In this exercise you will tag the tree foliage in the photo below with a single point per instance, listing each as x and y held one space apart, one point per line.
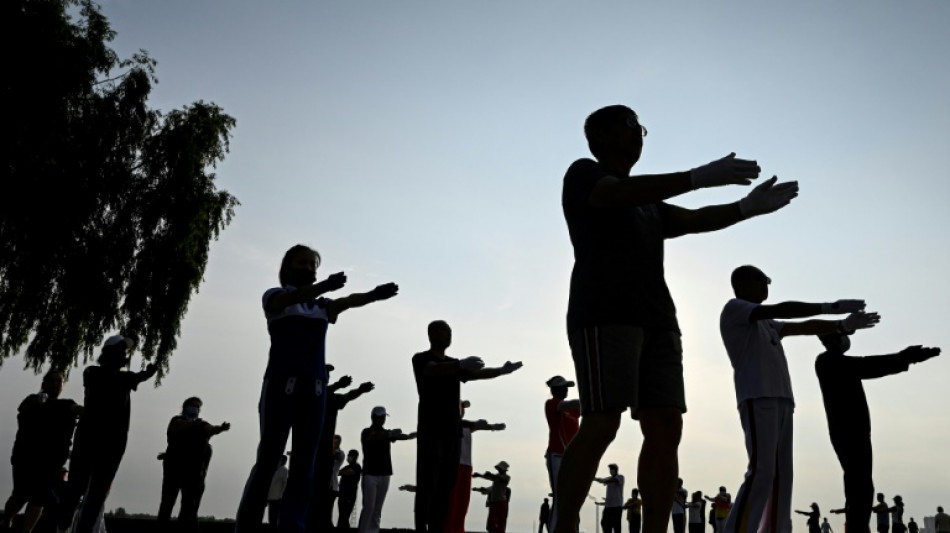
108 206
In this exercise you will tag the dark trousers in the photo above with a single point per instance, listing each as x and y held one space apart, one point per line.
612 519
679 523
189 481
634 523
854 454
437 463
284 405
697 527
345 507
90 478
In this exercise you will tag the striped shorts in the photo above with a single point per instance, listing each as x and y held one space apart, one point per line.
621 367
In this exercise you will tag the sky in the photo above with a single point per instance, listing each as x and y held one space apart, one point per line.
425 143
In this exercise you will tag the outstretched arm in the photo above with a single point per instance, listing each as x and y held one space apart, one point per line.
381 292
307 293
787 310
358 391
611 191
853 322
489 373
482 424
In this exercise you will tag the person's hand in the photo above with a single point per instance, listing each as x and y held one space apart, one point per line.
768 197
366 387
412 435
476 474
225 426
860 320
345 381
510 367
333 282
842 307
383 292
472 363
917 354
151 369
498 427
725 171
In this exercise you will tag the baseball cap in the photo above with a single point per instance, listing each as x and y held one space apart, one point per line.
559 381
379 410
116 340
502 466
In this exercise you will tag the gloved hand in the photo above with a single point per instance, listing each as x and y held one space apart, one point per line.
917 354
725 171
366 387
510 367
861 320
472 363
383 292
768 197
841 307
333 282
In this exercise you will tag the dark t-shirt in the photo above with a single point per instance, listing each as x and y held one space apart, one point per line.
439 397
618 276
846 405
377 458
44 431
107 407
324 461
350 481
189 443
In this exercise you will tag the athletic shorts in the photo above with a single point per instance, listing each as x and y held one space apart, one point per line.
628 367
35 485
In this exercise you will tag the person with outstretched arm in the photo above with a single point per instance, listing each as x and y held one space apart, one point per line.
621 320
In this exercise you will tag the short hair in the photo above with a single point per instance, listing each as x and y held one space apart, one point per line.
602 121
353 452
193 399
436 324
939 509
54 373
745 273
289 256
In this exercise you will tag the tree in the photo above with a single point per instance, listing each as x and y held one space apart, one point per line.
109 206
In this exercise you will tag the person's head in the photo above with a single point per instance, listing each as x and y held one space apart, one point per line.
440 334
635 493
899 501
53 383
613 469
378 415
559 386
880 497
115 352
191 407
337 440
814 507
679 482
502 467
352 456
939 509
835 343
614 132
698 496
826 518
722 489
545 500
299 266
750 284
463 405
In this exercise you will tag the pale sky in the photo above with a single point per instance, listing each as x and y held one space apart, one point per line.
425 143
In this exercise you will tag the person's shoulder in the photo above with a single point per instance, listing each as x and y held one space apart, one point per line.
584 168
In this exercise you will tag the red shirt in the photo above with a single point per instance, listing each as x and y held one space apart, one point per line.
562 425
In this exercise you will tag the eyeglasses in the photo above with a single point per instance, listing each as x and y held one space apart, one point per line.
632 122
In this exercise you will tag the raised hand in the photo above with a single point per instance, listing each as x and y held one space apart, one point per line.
725 171
860 320
768 197
842 307
917 354
333 282
510 367
383 292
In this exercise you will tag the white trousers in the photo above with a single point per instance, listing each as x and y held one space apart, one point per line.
553 461
374 494
764 502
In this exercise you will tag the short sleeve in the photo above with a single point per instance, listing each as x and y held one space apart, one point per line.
580 180
322 303
268 294
736 312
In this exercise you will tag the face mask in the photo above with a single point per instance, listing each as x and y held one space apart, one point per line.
191 413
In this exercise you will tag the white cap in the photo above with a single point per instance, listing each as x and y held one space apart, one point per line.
379 410
559 381
117 339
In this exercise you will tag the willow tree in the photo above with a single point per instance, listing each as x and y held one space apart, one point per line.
108 206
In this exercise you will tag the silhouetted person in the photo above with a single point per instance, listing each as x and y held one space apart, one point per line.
722 504
621 321
613 503
753 339
377 467
814 518
350 476
841 378
897 510
325 484
45 424
563 418
826 527
293 395
696 512
462 489
276 491
544 516
498 497
678 513
102 433
633 506
439 378
941 521
881 509
185 465
912 526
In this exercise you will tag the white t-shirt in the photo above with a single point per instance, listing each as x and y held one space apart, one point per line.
615 492
465 451
338 459
681 494
278 484
755 350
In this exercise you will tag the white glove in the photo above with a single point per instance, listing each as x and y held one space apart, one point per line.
768 197
856 321
472 363
725 171
841 307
